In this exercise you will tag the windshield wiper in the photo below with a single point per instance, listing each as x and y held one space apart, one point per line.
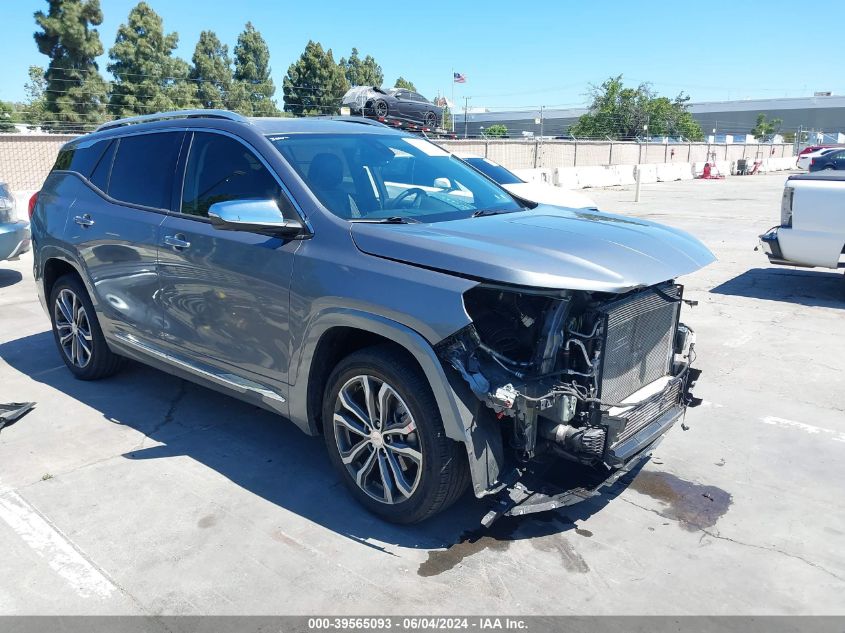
394 219
482 212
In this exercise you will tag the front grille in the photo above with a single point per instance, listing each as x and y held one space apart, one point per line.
639 331
641 416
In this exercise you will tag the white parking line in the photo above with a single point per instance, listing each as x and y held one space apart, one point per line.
836 436
52 546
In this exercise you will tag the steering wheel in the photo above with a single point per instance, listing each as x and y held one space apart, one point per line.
420 193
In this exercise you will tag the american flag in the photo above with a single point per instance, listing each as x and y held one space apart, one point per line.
460 78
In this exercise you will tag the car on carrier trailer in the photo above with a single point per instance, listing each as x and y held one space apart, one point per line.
439 332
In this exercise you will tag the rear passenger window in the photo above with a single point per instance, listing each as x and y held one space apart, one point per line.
219 169
82 157
143 168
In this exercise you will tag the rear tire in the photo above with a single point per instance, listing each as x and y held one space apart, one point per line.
380 109
431 120
77 332
393 453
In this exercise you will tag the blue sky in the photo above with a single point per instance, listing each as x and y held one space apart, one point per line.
514 54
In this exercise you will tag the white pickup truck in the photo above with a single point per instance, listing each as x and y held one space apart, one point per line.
812 223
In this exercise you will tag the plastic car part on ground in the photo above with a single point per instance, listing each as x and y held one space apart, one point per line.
11 412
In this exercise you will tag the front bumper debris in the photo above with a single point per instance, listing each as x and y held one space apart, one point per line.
551 484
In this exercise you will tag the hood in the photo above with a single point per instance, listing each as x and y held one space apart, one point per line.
546 247
549 194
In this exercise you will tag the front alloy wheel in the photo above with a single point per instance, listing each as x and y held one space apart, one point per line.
377 439
73 328
385 436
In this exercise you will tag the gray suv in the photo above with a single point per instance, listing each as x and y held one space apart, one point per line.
370 287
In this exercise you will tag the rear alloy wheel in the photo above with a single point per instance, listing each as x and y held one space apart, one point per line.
385 437
381 108
430 120
77 332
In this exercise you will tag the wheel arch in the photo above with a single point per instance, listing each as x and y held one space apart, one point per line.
337 333
54 269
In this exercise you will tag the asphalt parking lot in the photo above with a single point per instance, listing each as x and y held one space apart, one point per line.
146 494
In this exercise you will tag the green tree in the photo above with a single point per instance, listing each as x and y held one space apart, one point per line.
621 113
8 117
76 92
361 72
212 72
496 131
765 128
254 89
147 76
314 84
405 84
35 106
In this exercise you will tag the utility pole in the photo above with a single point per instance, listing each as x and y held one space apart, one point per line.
466 108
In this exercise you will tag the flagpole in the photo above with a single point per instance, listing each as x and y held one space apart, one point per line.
451 111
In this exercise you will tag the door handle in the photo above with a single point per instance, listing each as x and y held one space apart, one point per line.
177 241
84 220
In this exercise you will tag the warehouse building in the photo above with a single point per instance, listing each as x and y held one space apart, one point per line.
816 115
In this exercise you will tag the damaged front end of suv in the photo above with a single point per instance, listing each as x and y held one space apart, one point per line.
568 378
571 362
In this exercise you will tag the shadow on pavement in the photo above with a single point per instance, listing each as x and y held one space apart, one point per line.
266 455
9 277
804 287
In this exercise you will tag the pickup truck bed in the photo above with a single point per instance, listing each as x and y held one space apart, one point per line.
812 228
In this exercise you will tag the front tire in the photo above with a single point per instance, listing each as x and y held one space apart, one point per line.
431 120
77 332
385 437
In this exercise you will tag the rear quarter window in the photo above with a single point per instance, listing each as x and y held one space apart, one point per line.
143 169
83 157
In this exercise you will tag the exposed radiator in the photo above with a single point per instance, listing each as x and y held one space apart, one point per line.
639 332
642 416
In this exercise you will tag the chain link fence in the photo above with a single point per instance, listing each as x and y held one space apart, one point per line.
536 153
26 159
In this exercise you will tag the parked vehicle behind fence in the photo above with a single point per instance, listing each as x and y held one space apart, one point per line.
14 233
362 282
804 159
539 192
830 161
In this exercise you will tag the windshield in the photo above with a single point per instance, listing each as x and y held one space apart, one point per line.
494 171
372 177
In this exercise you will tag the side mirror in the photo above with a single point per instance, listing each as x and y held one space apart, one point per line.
257 216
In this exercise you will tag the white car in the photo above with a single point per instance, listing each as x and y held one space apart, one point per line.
812 225
804 160
533 191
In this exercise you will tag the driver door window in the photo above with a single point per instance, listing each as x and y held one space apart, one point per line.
219 169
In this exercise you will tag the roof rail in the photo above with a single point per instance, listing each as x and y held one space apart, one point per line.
174 114
353 119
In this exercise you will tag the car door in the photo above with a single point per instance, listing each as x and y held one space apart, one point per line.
224 295
114 227
405 106
419 106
